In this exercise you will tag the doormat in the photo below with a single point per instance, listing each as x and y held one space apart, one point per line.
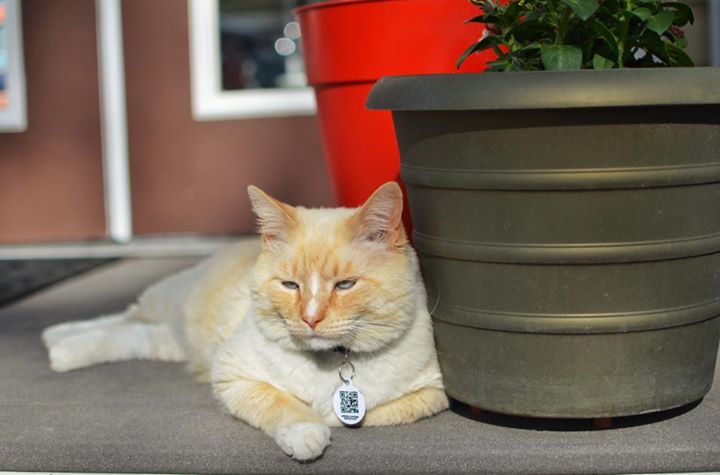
20 278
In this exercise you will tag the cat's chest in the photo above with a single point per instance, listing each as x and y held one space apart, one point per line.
314 378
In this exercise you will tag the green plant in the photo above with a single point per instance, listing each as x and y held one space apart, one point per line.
532 35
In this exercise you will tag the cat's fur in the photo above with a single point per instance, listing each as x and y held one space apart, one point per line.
267 347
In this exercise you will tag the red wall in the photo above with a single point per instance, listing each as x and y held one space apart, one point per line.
50 175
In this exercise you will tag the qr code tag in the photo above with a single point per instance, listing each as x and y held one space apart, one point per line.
349 404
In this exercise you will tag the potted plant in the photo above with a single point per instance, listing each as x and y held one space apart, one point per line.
347 46
567 219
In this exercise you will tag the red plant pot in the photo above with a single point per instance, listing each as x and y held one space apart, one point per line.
350 44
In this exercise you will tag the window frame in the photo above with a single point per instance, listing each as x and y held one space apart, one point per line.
209 100
13 118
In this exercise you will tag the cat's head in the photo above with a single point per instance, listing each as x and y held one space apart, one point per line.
334 277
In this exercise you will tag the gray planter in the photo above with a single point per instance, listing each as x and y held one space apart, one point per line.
569 228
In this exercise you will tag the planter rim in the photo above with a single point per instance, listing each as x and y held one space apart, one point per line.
336 3
548 89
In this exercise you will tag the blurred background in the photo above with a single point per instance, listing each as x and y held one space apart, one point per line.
187 172
144 121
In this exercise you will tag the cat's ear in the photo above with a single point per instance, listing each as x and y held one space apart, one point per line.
380 218
275 218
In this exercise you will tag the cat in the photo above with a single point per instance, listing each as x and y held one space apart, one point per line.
270 325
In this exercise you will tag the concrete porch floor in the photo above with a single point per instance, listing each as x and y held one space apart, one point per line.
151 417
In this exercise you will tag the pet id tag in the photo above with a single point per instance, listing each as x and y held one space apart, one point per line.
348 401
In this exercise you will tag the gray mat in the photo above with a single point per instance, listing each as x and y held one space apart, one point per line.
23 277
150 417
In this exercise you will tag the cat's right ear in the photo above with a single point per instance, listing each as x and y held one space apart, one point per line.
380 218
275 218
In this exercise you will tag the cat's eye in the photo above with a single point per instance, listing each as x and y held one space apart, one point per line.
345 284
289 284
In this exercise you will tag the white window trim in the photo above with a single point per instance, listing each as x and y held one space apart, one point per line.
113 120
13 118
209 101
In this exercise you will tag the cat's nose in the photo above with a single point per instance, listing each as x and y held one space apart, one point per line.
313 320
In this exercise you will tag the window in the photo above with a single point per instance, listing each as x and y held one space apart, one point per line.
12 71
245 60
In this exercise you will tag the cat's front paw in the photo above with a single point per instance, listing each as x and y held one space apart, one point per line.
304 441
63 359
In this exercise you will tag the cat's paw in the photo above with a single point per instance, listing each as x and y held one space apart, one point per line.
304 441
52 335
62 358
73 352
55 334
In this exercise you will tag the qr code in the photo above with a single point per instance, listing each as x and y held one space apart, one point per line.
349 401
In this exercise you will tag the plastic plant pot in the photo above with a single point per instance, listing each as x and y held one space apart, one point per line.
567 224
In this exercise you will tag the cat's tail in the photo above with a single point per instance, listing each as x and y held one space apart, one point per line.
117 337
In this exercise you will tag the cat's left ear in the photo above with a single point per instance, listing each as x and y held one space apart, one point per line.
275 218
380 218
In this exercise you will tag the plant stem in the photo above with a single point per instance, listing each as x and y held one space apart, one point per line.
562 26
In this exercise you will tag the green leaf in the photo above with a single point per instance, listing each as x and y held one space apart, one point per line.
678 57
560 58
531 31
642 13
512 12
497 50
497 65
661 22
477 19
582 8
605 34
654 45
513 67
481 45
494 19
600 62
530 47
683 13
532 15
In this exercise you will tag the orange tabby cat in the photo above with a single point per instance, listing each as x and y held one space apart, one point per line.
263 323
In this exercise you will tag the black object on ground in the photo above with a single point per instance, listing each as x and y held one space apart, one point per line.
23 277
